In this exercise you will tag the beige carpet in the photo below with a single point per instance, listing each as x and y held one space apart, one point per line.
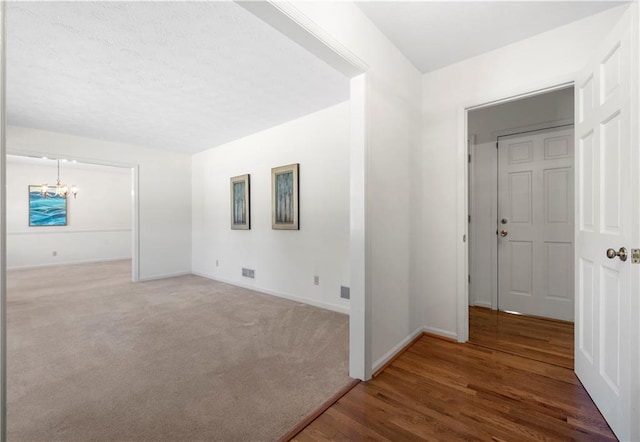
93 357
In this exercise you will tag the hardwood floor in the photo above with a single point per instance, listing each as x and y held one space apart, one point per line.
536 338
440 390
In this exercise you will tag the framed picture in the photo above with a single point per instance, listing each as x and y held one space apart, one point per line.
240 207
284 197
46 210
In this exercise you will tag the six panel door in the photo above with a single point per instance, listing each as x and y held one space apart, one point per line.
535 211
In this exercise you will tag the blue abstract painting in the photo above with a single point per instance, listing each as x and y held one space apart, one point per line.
49 210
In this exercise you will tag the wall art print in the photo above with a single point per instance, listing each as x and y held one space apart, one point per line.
240 204
284 197
49 210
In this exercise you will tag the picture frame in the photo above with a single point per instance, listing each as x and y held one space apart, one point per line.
240 202
46 211
285 210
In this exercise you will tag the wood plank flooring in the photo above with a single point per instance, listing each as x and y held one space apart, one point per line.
440 390
536 338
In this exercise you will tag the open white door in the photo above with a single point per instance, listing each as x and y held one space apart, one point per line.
605 134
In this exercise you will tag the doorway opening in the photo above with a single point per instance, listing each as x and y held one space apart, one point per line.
99 224
521 209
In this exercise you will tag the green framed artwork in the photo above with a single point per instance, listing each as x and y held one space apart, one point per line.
240 204
285 197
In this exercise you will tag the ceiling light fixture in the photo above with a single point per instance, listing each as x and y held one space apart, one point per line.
60 190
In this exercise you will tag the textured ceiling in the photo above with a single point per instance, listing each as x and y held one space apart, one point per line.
178 76
434 34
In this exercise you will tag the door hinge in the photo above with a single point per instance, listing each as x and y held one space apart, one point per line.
496 144
469 279
469 218
469 157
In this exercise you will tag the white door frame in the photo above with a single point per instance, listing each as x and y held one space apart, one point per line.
471 206
3 225
462 187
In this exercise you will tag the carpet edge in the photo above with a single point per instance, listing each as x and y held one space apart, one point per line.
304 423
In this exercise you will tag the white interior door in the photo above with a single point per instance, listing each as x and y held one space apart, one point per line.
605 132
535 213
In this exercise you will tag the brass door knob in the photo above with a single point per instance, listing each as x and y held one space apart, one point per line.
503 233
622 254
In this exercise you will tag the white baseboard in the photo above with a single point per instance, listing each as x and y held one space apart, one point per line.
397 348
441 332
165 276
482 304
325 305
67 263
402 344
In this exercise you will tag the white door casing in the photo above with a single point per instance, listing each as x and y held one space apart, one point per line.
605 130
535 223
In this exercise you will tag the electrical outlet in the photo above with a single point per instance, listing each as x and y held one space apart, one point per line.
248 273
54 253
316 280
217 263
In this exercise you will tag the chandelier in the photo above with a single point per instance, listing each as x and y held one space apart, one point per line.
61 189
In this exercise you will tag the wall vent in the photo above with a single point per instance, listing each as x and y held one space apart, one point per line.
345 292
248 273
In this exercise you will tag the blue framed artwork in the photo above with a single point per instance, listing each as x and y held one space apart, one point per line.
284 198
240 207
46 210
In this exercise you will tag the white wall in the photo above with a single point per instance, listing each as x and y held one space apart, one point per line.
394 117
285 261
164 192
544 109
486 124
548 58
98 221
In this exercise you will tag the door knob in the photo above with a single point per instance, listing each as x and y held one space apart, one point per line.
622 254
503 233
